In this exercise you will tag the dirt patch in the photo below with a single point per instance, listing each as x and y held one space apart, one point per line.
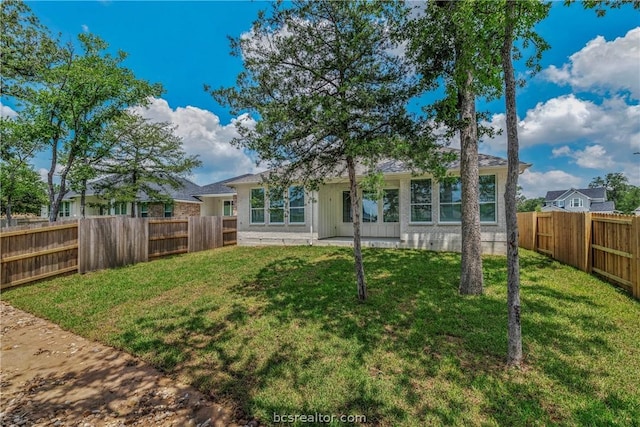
51 377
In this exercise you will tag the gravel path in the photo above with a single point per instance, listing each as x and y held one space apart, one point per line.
51 377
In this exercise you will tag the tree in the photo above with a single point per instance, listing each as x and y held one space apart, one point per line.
519 19
18 147
630 200
615 183
146 156
330 95
77 96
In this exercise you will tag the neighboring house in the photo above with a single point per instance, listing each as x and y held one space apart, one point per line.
414 211
219 199
578 200
189 199
637 211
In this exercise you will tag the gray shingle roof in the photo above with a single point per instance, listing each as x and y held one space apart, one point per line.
220 187
603 206
592 193
388 166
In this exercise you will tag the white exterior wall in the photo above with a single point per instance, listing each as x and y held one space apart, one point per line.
214 206
327 220
276 234
586 204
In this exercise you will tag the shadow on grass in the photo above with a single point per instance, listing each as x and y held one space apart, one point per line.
279 334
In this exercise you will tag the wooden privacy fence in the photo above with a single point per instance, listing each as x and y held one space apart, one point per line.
33 253
605 244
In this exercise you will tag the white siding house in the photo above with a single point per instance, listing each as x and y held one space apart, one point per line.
578 200
414 211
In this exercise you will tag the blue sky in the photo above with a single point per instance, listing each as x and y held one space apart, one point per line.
579 118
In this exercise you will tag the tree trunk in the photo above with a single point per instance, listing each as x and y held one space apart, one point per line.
514 352
357 249
83 198
471 281
8 210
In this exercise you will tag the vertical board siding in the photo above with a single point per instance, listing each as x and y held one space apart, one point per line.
29 253
605 244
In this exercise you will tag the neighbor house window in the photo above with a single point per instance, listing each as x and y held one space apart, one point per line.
276 208
64 209
451 200
168 210
144 210
296 205
227 208
420 200
257 206
120 208
369 207
347 214
390 206
577 203
487 198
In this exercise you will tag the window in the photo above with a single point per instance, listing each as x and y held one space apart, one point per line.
390 206
257 206
144 210
369 208
577 203
276 208
560 203
227 208
120 208
168 210
347 214
451 200
296 205
487 198
421 200
64 209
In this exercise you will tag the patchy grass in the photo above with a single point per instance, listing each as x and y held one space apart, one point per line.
279 330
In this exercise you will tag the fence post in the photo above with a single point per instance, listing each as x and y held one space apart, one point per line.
534 228
635 261
587 242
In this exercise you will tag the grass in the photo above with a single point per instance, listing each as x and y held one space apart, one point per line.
274 330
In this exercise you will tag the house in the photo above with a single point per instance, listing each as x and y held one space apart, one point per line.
578 200
189 199
414 211
219 199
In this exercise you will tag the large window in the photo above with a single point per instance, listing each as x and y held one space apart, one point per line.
257 206
577 203
347 214
421 200
296 205
65 209
487 198
390 206
120 208
276 208
369 208
227 208
451 199
144 210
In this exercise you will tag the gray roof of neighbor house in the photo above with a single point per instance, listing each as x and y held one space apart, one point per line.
602 206
387 166
592 193
220 187
184 193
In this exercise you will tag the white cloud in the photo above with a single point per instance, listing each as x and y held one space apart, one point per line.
6 111
204 135
601 65
85 28
536 184
592 157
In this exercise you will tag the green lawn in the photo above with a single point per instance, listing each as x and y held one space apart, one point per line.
279 330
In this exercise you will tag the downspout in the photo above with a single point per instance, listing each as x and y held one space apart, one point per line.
311 229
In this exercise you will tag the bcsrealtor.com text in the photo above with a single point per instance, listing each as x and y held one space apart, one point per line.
318 418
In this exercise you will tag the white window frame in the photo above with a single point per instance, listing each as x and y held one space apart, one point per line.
579 205
277 209
224 206
296 208
494 202
412 203
64 211
251 208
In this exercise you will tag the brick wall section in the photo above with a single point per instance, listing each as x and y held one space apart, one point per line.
186 209
156 210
